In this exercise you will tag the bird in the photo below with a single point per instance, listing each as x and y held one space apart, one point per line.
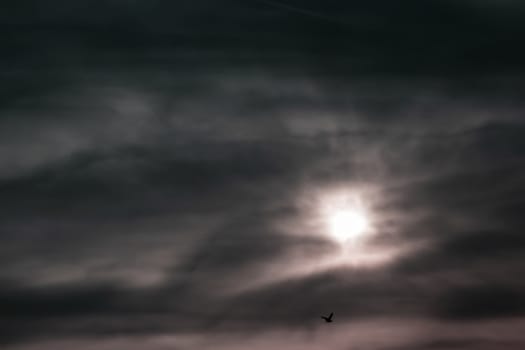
329 318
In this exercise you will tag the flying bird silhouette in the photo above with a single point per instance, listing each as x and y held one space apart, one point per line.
329 318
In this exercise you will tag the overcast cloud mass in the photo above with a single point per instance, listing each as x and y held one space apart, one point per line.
162 165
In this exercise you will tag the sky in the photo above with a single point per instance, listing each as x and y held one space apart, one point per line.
173 174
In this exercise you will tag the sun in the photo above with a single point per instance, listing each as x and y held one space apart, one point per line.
347 224
346 216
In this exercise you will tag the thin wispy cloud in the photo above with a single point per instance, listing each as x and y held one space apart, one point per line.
205 175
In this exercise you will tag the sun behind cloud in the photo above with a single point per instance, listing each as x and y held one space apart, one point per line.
345 216
347 224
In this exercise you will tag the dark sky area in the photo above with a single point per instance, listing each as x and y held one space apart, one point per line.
169 172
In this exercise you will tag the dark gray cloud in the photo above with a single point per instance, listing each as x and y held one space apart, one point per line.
483 302
162 164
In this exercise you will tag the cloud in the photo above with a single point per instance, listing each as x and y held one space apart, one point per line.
489 301
160 162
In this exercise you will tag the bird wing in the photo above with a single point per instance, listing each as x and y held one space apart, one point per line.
331 315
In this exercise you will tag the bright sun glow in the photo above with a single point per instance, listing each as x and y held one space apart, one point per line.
346 217
349 217
347 224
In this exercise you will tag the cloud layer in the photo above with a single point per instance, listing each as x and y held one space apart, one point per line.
160 164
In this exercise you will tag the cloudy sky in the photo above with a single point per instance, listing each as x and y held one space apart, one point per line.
218 174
